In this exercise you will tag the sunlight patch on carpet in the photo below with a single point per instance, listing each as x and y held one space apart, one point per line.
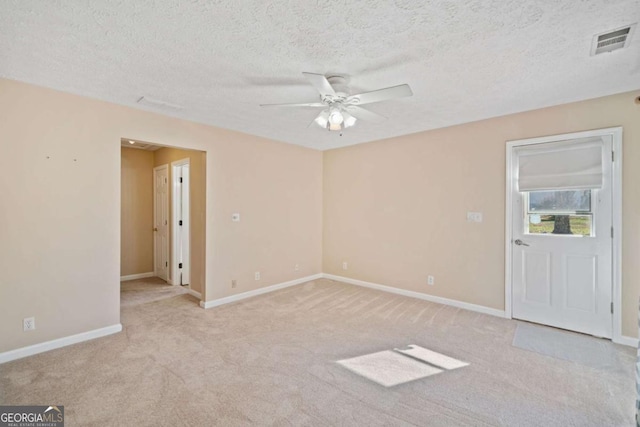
392 367
431 357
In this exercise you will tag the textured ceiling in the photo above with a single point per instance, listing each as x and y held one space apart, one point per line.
215 61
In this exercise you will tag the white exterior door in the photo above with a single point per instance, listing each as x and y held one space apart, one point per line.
161 221
562 254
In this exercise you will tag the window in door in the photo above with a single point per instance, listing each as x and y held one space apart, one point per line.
560 212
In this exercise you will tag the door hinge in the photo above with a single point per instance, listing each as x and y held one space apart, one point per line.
166 263
613 157
612 308
180 180
612 232
180 265
165 180
180 222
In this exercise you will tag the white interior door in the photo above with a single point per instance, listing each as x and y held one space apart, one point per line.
181 223
559 279
161 221
185 227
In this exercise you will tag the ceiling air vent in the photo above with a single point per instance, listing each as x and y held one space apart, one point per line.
612 40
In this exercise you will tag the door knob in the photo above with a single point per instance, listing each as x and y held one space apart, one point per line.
520 243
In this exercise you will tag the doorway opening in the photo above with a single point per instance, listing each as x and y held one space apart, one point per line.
563 229
163 228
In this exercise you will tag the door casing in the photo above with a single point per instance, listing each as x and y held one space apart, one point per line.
176 230
616 206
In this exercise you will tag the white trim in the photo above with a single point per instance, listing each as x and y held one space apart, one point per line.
616 219
508 223
194 293
624 340
419 295
136 276
174 279
19 353
256 292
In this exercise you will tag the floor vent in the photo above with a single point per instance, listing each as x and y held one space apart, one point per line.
612 40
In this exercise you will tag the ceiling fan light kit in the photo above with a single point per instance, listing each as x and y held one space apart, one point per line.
340 110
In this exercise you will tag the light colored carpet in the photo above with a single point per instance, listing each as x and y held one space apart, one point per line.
578 348
142 291
271 360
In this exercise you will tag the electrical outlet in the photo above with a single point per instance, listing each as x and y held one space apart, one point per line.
257 275
431 280
345 266
29 323
233 283
296 267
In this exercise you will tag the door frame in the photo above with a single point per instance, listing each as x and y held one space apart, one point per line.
616 217
155 234
174 219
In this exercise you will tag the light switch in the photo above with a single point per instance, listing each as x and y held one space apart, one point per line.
474 216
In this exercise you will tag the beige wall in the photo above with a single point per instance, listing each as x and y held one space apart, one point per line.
60 214
197 193
395 210
136 212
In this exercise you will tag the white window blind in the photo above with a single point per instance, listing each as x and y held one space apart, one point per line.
569 165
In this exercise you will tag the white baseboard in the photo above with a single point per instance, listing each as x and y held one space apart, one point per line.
194 293
624 340
419 295
136 276
19 353
249 294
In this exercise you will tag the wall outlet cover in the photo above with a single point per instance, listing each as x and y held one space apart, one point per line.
29 323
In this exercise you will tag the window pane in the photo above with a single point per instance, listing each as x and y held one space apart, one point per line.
577 225
560 201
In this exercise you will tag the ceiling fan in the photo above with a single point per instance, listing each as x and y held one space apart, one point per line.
340 108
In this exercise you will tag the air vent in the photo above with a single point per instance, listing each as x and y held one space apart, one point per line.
150 102
612 40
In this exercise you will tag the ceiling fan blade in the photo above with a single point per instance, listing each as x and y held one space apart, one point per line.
362 114
321 83
380 95
309 104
